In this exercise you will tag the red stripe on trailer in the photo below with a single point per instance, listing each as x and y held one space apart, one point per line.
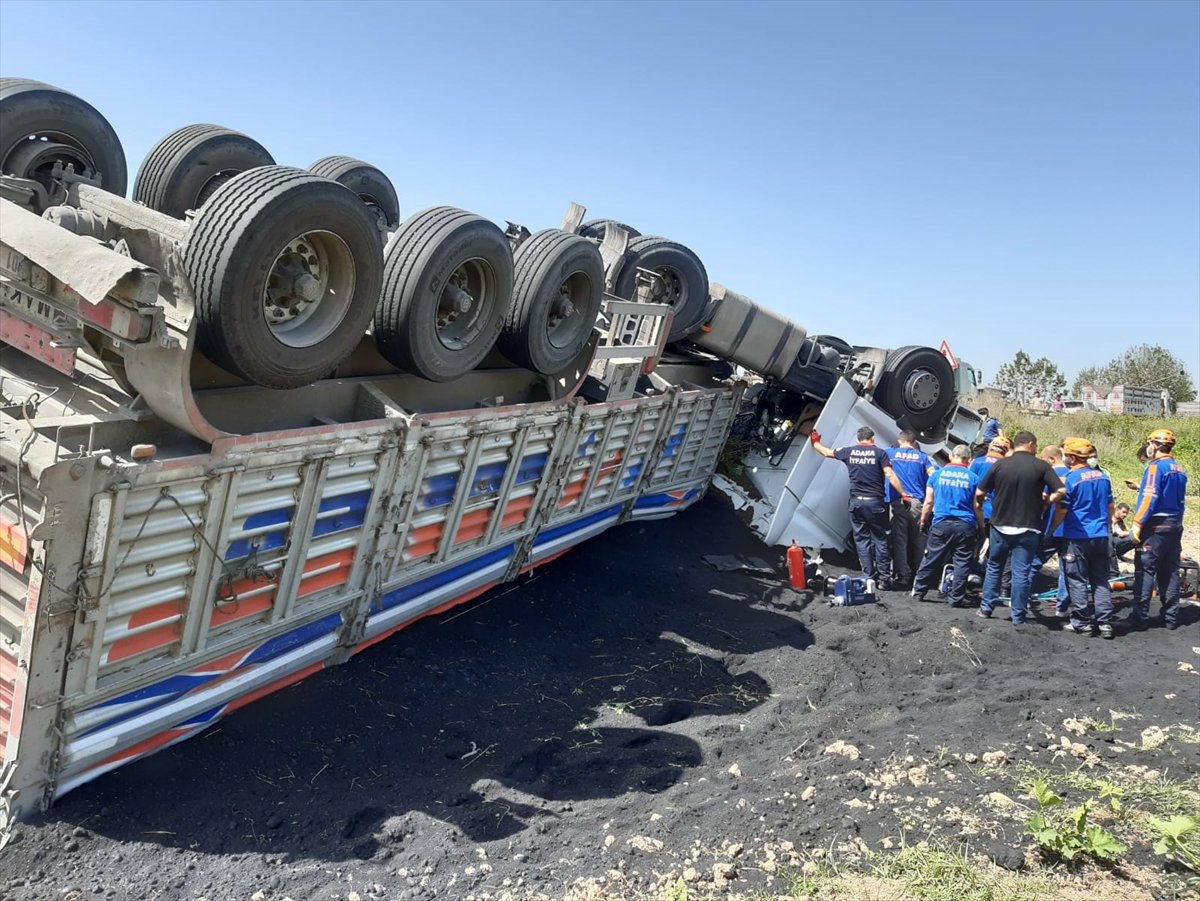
329 570
271 687
115 318
224 664
36 342
14 545
160 637
157 613
145 746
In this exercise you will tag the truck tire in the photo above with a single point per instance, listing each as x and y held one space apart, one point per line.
841 346
557 290
447 281
917 389
683 280
286 267
595 228
370 184
41 124
187 166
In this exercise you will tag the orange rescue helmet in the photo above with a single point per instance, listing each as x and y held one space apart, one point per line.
1165 437
1079 447
1000 444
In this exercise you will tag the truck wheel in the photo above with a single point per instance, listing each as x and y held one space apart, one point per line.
41 125
682 281
370 184
919 389
595 228
447 281
557 290
187 166
286 267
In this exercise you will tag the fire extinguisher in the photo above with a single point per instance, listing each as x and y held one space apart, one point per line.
795 564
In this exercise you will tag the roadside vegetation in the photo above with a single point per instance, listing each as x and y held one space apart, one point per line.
1117 438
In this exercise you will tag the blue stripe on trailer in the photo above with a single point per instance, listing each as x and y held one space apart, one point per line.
488 478
406 593
176 686
267 541
355 511
634 471
575 526
281 644
531 469
662 500
673 442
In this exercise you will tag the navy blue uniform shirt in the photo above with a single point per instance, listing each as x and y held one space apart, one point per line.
864 463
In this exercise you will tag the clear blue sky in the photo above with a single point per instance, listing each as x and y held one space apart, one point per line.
1000 175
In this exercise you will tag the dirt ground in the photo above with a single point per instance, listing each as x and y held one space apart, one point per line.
632 723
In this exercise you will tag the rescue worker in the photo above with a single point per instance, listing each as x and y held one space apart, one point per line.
991 426
869 468
950 500
997 450
1054 542
1085 515
913 467
1019 506
1157 525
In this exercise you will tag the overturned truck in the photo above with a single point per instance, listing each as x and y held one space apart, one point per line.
251 422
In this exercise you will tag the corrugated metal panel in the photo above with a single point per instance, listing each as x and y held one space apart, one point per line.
149 573
694 440
345 498
16 569
264 507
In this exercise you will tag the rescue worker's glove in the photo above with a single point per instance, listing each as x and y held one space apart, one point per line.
1135 532
814 436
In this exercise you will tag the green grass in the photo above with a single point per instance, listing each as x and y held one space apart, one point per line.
1117 439
942 874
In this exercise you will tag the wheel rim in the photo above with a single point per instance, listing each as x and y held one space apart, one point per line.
565 321
669 288
922 389
34 157
462 302
309 289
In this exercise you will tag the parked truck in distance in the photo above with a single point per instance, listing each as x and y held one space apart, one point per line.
1131 400
252 422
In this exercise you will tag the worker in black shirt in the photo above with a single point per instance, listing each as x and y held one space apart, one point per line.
868 466
1023 487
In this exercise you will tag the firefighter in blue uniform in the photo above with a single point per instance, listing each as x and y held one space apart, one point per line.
950 500
991 427
1157 525
913 467
998 449
869 468
1085 514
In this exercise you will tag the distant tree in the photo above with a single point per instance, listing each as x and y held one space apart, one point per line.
1145 365
1024 377
1094 377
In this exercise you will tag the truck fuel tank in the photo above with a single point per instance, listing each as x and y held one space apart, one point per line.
745 333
